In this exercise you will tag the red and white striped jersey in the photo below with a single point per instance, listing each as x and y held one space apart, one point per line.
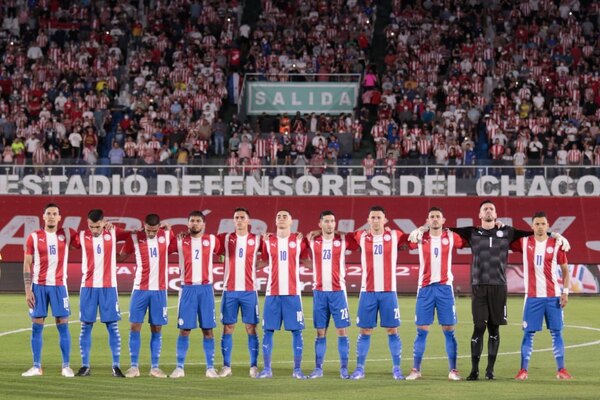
435 257
283 255
540 266
368 166
379 255
50 253
328 259
196 259
99 257
240 261
151 259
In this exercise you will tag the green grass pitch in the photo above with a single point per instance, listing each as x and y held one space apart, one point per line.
582 339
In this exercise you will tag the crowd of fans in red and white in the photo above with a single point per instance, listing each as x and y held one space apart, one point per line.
150 82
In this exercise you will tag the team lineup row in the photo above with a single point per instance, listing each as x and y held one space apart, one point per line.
45 266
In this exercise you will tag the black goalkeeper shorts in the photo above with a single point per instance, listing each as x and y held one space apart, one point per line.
488 304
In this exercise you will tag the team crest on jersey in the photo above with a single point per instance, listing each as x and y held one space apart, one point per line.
387 238
500 234
550 250
107 237
61 238
292 245
524 324
180 321
205 243
445 242
250 242
161 240
337 243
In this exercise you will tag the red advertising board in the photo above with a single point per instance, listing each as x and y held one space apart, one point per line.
575 217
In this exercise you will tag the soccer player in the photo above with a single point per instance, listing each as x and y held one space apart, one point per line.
328 253
99 288
543 298
151 247
240 249
282 302
379 253
46 256
435 290
489 244
196 298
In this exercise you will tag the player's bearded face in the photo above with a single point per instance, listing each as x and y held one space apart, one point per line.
435 219
96 227
488 212
195 225
327 224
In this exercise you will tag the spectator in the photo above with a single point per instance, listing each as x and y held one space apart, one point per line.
116 155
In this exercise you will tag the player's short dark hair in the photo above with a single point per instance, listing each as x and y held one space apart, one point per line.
539 214
325 213
52 205
196 213
96 215
377 208
284 209
486 201
152 220
434 208
242 209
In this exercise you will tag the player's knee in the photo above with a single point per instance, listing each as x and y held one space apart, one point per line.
136 327
392 331
250 329
228 329
479 328
493 330
207 333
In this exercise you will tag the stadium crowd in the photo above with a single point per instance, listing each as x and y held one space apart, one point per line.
157 82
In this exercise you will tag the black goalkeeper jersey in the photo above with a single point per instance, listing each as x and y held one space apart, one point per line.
490 252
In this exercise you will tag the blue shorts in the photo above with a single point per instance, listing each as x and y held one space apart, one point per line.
155 301
233 301
370 303
105 299
330 304
55 296
286 309
538 308
196 305
435 297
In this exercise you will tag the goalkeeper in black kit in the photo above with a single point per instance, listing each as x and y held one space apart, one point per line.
489 245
